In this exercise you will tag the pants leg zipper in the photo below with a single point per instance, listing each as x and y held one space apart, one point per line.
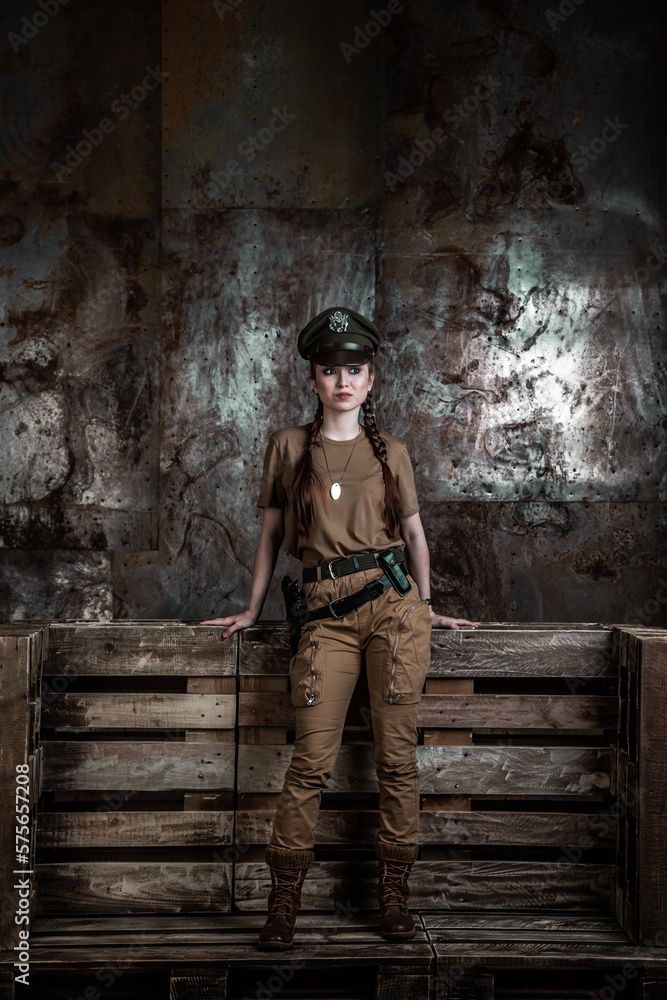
311 697
393 661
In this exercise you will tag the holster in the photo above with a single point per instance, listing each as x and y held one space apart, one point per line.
394 571
296 609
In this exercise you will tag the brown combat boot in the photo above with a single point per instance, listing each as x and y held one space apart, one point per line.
395 861
288 870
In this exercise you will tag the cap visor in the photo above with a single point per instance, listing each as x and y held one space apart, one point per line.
343 358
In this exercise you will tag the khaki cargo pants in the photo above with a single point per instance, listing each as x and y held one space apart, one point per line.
394 634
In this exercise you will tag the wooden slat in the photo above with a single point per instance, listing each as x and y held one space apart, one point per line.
222 687
455 923
134 887
139 766
623 882
522 653
400 982
171 649
651 857
519 711
500 885
331 952
479 828
264 649
478 770
512 650
457 711
38 639
268 729
445 803
195 982
19 676
134 829
198 927
537 954
438 737
483 924
96 710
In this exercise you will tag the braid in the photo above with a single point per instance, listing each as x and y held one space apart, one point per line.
392 497
306 477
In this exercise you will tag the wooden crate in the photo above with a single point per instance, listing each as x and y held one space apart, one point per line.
162 750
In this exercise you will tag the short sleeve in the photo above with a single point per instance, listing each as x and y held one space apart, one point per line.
405 481
271 492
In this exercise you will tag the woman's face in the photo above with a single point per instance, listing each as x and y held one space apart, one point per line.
342 387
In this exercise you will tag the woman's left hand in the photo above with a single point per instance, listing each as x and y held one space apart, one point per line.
441 621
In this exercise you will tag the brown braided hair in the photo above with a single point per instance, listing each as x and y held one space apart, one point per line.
306 478
392 498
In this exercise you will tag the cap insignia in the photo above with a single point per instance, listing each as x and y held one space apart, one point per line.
338 321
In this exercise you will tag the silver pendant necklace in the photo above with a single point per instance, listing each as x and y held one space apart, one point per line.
335 489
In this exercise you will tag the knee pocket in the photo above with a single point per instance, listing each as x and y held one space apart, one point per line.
407 658
306 670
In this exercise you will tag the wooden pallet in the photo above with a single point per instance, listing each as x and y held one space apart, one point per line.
161 750
207 947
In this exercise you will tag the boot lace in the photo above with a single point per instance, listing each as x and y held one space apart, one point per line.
285 886
392 891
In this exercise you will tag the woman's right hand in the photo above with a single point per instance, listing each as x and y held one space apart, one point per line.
233 622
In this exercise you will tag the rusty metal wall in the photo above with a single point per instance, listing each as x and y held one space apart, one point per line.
484 178
79 300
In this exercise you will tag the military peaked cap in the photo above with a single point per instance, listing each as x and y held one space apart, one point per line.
339 336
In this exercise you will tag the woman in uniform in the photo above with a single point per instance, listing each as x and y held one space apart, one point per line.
343 498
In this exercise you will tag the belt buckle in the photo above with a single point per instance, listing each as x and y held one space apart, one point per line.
331 609
376 588
333 577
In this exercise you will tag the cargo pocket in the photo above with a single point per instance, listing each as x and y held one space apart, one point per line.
408 654
306 670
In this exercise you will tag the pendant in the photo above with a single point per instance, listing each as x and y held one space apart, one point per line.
335 491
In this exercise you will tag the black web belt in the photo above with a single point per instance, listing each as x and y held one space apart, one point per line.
343 605
298 614
348 564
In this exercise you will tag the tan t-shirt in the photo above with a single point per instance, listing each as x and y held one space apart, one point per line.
353 523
